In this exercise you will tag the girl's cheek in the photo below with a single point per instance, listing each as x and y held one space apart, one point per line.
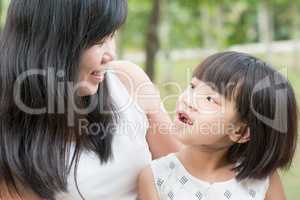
207 109
210 124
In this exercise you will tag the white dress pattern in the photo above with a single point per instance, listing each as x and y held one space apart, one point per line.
173 182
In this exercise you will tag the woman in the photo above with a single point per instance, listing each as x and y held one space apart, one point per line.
74 124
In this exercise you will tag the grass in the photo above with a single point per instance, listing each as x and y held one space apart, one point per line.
291 178
178 74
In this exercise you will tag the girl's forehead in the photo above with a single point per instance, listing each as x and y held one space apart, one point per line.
202 84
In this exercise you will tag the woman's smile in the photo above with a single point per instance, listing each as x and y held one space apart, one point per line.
98 75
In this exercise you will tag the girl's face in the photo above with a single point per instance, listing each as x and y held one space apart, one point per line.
92 70
204 117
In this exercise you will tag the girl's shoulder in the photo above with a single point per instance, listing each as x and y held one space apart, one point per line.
164 174
254 187
163 166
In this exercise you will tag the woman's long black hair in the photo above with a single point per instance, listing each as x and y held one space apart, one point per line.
43 38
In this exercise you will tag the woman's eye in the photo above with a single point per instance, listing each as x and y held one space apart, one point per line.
100 43
112 35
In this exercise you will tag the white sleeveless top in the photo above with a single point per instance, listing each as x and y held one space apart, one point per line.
116 180
173 182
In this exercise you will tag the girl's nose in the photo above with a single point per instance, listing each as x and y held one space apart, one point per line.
188 103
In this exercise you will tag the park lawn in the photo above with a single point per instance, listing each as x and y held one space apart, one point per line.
179 77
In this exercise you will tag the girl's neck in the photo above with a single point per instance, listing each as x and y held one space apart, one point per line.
204 162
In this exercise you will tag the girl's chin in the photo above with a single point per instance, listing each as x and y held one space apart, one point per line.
184 139
183 133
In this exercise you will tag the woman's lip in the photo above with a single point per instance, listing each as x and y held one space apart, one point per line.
98 72
98 77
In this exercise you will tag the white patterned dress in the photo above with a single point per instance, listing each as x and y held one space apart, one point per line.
173 182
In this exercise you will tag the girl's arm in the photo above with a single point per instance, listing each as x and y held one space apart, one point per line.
146 187
142 90
275 190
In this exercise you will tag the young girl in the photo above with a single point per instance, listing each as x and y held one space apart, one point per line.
238 121
68 125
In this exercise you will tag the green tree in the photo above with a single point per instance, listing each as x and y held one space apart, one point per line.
296 33
1 13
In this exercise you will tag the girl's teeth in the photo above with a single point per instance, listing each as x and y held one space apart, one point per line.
185 120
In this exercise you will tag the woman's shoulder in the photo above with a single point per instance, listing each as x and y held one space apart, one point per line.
129 73
137 83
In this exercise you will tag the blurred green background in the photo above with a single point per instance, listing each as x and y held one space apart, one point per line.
168 38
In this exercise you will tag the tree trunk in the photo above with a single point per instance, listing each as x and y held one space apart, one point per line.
265 23
296 35
1 12
165 40
220 25
207 28
152 39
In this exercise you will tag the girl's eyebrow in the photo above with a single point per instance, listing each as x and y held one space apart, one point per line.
194 81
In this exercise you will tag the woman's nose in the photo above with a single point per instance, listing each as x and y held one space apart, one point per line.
108 57
110 51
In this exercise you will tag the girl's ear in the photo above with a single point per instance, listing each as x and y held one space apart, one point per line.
241 136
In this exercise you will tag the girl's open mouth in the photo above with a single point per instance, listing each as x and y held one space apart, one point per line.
184 118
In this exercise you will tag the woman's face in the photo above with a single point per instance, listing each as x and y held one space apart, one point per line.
92 66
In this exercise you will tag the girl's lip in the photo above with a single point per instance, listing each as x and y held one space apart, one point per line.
183 117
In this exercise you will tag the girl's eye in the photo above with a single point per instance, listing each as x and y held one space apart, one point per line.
192 86
210 99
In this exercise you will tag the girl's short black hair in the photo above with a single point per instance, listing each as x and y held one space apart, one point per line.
265 101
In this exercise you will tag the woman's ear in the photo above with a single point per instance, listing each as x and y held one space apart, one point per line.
242 135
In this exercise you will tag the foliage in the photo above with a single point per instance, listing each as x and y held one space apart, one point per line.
236 24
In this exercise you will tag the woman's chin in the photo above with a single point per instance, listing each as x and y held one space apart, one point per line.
88 91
